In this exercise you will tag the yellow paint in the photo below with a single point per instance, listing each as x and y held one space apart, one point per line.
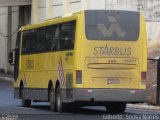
127 70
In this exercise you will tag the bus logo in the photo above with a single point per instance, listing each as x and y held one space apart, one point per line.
29 64
109 50
114 28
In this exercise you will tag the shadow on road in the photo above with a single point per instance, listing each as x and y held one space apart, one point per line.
76 110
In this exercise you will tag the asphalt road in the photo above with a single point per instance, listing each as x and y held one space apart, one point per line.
11 109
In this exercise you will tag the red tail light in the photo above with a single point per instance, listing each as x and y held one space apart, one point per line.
143 78
78 77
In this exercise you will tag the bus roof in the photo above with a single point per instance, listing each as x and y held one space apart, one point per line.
50 22
54 21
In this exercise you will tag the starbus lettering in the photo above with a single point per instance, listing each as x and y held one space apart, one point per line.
112 50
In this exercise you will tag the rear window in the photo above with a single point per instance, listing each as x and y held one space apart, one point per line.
112 25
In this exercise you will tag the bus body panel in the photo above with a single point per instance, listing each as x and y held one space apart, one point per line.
105 62
111 70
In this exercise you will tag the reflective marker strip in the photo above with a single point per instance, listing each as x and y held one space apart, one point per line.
61 73
24 81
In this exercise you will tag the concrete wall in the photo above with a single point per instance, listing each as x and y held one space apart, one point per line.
131 5
25 18
4 34
15 25
3 37
151 9
47 9
4 3
153 32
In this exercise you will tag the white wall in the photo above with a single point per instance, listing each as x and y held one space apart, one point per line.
47 9
153 30
4 34
42 10
151 9
130 5
96 4
3 37
14 2
153 33
15 23
57 8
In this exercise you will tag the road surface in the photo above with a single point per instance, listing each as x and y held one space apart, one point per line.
11 109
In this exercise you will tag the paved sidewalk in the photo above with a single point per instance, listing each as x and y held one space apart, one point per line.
143 106
6 77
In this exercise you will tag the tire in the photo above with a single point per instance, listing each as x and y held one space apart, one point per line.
116 107
61 107
52 99
25 103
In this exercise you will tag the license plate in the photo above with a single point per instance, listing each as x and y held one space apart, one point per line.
113 81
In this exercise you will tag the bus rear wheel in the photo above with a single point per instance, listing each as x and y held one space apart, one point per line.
116 107
52 99
60 106
25 103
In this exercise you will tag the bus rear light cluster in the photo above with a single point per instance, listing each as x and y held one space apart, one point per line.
78 76
143 78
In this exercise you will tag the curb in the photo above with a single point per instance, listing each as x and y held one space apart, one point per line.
8 79
144 106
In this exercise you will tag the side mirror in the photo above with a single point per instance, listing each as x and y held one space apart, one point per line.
11 57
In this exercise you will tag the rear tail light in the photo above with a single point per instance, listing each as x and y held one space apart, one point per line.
78 77
143 78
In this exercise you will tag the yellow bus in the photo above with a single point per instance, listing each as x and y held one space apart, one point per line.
93 57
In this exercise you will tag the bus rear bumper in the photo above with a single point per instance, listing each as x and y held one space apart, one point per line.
109 95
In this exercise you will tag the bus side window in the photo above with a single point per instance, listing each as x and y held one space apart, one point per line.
48 39
67 34
25 43
40 41
52 36
55 46
31 42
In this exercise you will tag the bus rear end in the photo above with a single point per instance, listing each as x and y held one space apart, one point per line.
111 58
